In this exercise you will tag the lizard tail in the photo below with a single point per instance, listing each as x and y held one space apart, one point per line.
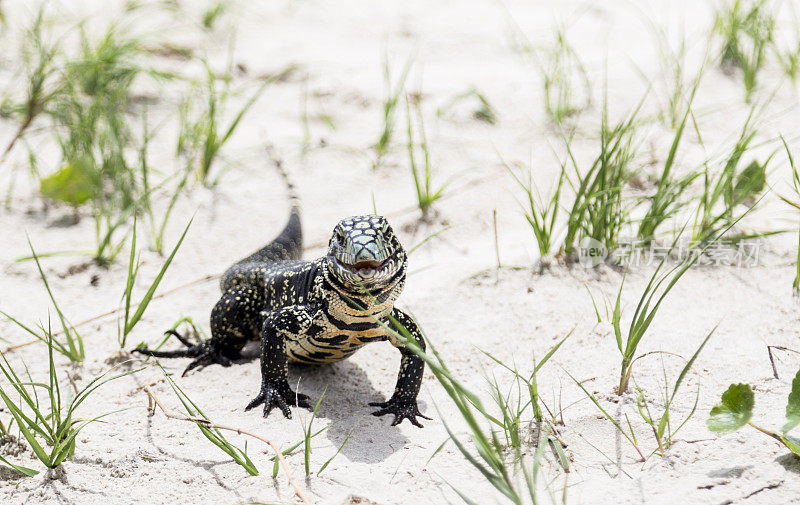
191 352
288 245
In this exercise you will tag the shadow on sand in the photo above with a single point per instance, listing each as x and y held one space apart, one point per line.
346 402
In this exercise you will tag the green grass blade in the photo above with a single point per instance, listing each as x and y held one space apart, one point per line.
23 428
341 446
74 340
129 324
21 469
690 363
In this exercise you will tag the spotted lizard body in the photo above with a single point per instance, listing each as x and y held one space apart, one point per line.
314 312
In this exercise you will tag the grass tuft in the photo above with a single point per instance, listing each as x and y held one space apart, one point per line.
426 192
658 287
50 428
663 425
666 202
796 205
567 90
513 411
730 187
597 211
72 347
542 217
394 91
202 135
745 28
91 118
39 59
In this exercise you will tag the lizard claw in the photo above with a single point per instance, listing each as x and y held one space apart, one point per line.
280 395
407 409
208 356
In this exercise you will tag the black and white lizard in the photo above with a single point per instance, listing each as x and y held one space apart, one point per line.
314 312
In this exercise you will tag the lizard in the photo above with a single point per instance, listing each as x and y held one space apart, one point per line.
314 312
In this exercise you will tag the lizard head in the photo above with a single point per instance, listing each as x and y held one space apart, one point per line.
365 252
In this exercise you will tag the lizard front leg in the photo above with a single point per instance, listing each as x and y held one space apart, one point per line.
234 321
403 403
275 390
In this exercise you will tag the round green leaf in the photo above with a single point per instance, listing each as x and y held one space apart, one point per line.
734 411
74 184
751 182
793 406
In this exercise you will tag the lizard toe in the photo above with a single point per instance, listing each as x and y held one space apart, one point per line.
401 410
304 401
183 340
276 396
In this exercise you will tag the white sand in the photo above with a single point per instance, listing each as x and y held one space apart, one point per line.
338 47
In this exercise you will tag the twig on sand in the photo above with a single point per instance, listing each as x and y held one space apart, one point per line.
20 132
772 359
153 401
148 385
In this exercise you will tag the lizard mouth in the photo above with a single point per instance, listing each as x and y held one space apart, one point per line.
365 268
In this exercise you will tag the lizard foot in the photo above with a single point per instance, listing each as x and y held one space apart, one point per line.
205 353
210 353
280 395
401 409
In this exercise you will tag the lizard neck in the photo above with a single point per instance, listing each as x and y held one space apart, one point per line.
352 304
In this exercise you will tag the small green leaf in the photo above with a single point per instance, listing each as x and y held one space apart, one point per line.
734 411
750 182
662 424
792 443
74 184
615 318
793 406
275 468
